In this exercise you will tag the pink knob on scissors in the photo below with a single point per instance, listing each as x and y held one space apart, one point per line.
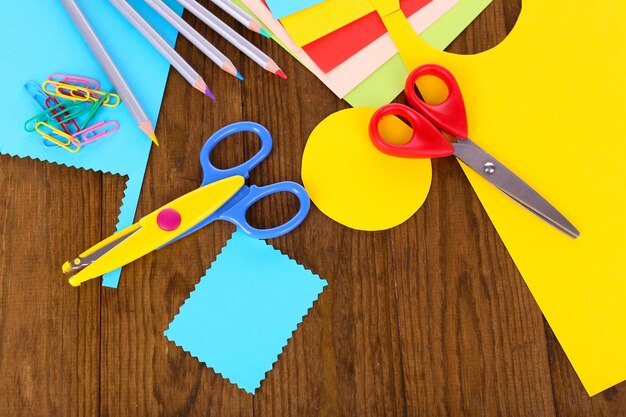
169 219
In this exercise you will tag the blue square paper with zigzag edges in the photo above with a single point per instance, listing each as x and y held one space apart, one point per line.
244 310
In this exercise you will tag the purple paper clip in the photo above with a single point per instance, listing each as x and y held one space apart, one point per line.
96 131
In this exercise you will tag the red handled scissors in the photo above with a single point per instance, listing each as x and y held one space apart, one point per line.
429 120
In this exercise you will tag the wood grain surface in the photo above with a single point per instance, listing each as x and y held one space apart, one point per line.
428 319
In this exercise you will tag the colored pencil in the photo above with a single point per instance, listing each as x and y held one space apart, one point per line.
162 46
233 37
241 16
109 67
194 37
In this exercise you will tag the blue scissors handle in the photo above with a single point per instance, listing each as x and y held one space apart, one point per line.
237 213
212 173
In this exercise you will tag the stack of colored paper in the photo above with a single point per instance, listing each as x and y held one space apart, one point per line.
345 43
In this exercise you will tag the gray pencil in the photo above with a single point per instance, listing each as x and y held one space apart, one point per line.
162 46
194 37
241 16
109 67
232 36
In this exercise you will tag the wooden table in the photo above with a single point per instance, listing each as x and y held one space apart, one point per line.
430 318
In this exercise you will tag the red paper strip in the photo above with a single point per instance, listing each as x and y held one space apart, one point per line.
331 50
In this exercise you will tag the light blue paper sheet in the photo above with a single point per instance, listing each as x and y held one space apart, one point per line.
244 310
38 39
282 8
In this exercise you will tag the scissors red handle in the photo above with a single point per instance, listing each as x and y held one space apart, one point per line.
426 120
449 116
426 141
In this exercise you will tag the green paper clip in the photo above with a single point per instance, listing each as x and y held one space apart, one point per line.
65 113
93 109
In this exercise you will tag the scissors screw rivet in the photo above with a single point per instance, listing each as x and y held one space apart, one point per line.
168 219
489 168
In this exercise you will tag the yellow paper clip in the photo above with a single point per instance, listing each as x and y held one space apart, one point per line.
58 137
66 91
77 93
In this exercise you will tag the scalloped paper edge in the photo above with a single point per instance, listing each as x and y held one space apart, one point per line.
124 210
220 372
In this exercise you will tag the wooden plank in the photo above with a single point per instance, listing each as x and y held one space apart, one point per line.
49 331
143 374
431 318
344 357
472 336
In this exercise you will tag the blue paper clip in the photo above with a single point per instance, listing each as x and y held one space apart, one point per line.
37 93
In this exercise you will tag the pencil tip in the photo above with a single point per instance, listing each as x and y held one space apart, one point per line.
264 33
281 74
239 76
147 128
209 94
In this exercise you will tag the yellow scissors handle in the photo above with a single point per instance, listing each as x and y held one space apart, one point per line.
153 231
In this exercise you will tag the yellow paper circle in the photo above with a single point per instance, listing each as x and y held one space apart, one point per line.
355 184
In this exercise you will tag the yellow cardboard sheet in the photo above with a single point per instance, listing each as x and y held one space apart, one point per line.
550 102
354 183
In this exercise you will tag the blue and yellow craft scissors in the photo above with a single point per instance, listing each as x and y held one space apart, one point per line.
223 195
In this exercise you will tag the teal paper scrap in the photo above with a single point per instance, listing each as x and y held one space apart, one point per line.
39 39
282 8
244 310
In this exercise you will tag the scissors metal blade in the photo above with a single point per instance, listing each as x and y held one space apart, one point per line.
94 253
506 181
147 234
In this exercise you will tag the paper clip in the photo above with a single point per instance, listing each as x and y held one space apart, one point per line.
66 91
96 131
58 137
56 115
69 126
76 80
75 93
110 99
36 93
92 96
94 109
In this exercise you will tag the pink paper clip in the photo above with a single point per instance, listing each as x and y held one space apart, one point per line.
97 131
77 80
